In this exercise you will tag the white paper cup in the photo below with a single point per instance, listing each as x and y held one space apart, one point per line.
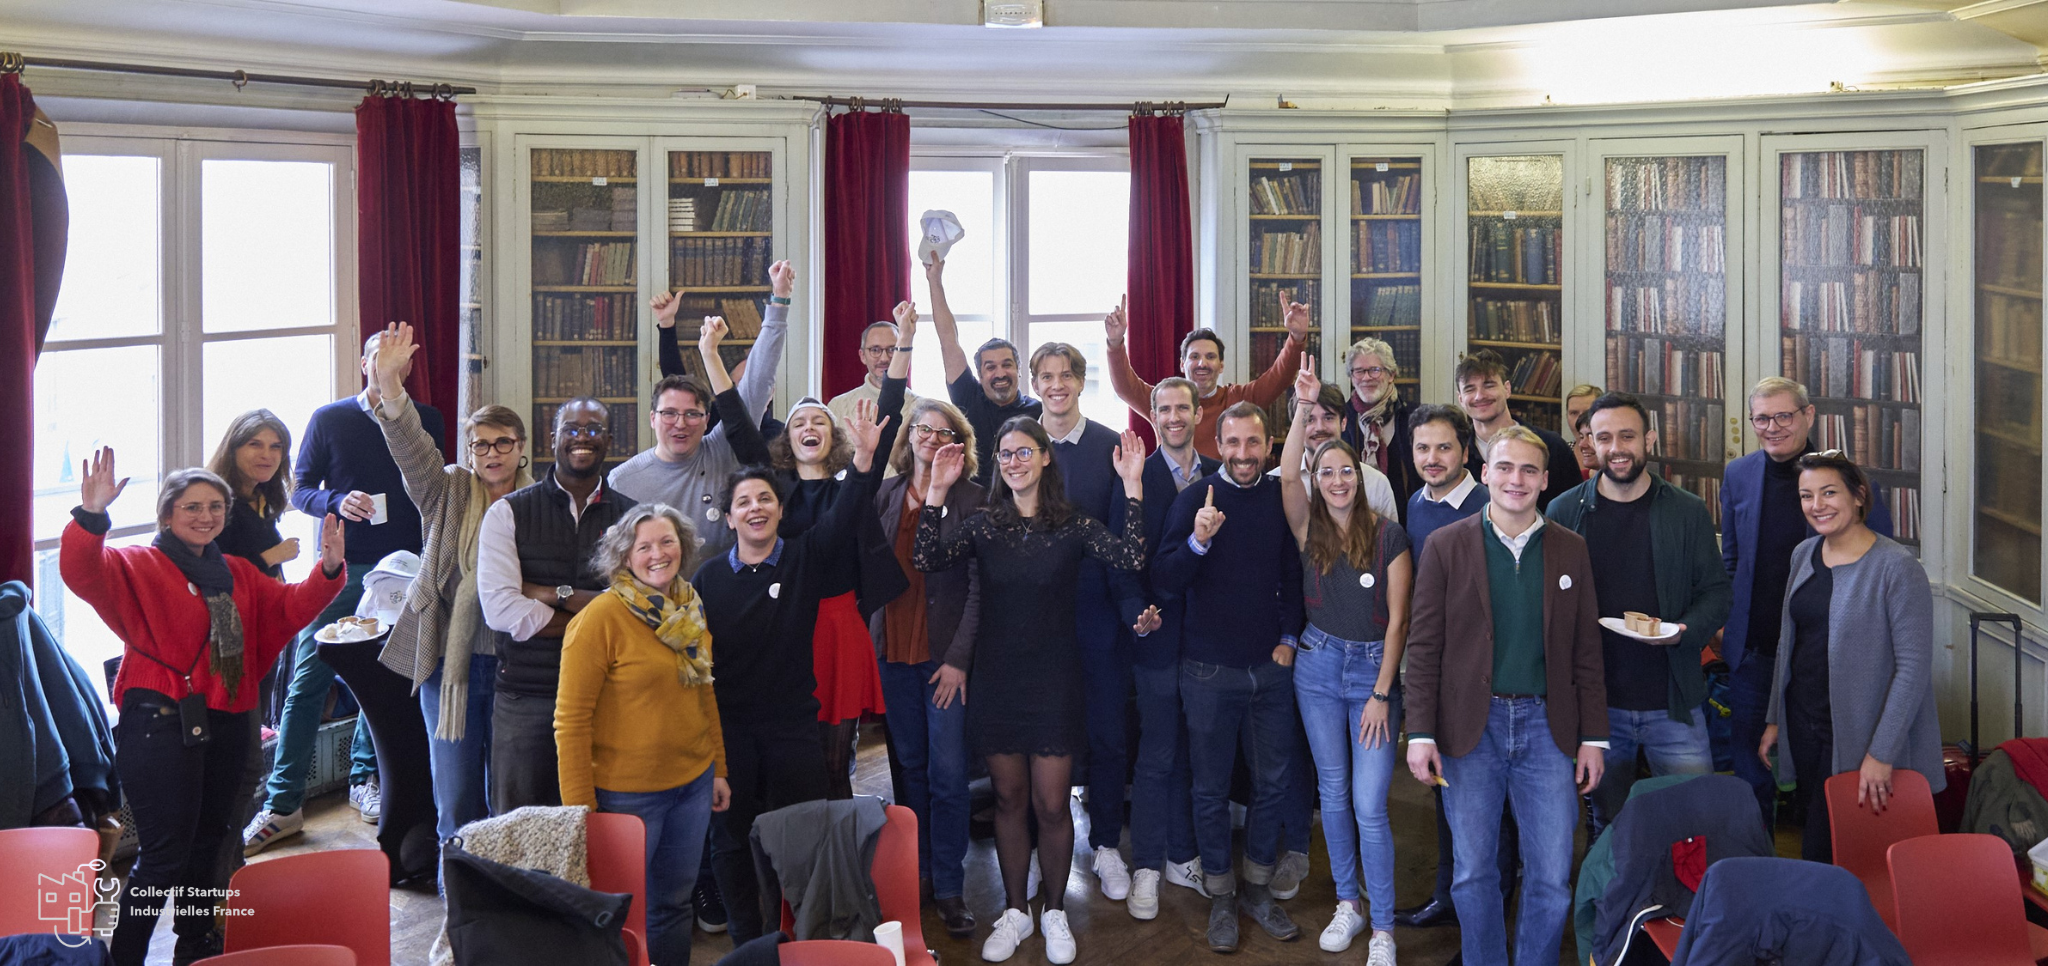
382 509
889 936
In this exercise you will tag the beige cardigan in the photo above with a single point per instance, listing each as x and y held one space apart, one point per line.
441 491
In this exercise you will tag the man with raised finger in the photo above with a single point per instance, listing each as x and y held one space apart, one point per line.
1201 362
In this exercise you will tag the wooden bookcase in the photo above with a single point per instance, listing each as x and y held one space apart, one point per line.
584 212
2007 515
1515 276
1285 248
720 221
1386 261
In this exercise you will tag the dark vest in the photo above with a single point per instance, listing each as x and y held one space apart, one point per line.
554 549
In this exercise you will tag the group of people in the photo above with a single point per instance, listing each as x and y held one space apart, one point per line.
1295 576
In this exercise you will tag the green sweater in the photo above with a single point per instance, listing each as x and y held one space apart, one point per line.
1515 589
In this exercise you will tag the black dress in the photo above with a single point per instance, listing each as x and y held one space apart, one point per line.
1024 692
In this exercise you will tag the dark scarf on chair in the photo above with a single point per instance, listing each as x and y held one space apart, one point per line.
210 575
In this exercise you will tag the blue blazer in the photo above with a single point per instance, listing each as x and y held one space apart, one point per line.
1134 589
1742 495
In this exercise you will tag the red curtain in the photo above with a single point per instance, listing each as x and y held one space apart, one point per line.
408 196
21 326
867 234
1161 268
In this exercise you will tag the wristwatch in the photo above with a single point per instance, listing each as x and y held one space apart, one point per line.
1381 696
563 592
779 299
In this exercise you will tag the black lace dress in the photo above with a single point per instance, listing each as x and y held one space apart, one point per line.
1024 691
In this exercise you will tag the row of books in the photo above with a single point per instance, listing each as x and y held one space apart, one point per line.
583 263
1266 299
1515 320
2015 260
1904 502
1407 348
1398 195
1516 184
1386 246
1706 487
1839 235
719 261
1666 184
1845 367
1662 243
1690 429
1657 367
1873 304
2008 328
682 214
739 210
721 164
605 371
1851 174
1537 374
1385 305
1508 251
1876 437
1679 305
1288 252
598 318
1297 194
585 219
742 317
621 421
582 163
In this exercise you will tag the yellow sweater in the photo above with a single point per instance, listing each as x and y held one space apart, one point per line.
623 721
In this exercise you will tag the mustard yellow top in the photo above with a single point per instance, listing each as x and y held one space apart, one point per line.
624 721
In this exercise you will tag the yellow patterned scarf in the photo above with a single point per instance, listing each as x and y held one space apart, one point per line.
677 617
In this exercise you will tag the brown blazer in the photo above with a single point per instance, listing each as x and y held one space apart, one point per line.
1448 688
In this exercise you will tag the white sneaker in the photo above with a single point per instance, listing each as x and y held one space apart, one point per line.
1013 928
1059 940
368 799
1381 951
267 828
1288 873
1144 900
1114 875
1344 927
1187 875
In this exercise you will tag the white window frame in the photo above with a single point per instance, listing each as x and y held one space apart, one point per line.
1020 168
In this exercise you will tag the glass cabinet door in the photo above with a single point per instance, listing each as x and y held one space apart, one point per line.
585 228
1514 279
1667 307
721 240
1284 251
1850 305
1386 262
2007 518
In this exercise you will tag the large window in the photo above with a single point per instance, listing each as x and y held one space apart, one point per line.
202 279
1042 259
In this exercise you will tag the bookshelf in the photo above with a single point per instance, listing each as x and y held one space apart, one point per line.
1285 249
2007 515
1850 306
1514 276
1386 261
1666 298
584 216
721 240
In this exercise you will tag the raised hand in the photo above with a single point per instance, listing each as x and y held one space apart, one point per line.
712 333
98 490
866 433
1208 519
905 314
782 278
664 306
1129 460
390 358
332 544
935 271
1294 315
947 465
1117 322
1306 386
1147 622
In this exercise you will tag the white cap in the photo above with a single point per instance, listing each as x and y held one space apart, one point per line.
385 587
941 230
811 402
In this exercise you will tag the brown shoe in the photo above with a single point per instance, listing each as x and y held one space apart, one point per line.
959 922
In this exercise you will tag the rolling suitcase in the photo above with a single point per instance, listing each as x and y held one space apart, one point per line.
1959 762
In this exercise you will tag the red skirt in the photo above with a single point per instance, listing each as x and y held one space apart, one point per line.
843 658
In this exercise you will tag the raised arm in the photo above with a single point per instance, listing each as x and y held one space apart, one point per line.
757 384
665 346
837 524
1268 386
1129 386
88 567
950 351
1125 552
738 427
427 481
1293 494
938 547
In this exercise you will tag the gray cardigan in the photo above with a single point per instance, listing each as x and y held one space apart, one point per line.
1880 657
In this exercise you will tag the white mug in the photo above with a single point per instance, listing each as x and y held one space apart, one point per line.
889 936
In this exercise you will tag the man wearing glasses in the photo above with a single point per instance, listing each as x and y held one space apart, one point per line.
533 573
1760 525
877 350
1376 420
690 459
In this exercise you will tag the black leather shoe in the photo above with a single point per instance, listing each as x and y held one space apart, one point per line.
1435 912
959 922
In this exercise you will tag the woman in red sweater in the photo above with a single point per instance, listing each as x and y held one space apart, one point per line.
200 629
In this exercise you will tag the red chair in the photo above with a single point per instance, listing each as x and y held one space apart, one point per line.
1861 836
1957 902
834 952
1664 933
617 846
895 875
340 897
55 866
286 956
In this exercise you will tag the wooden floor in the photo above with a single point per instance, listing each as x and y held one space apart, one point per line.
1103 931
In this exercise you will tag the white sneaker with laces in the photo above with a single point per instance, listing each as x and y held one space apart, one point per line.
266 828
1381 951
1187 875
1059 940
1144 900
1114 875
368 799
1011 929
1344 927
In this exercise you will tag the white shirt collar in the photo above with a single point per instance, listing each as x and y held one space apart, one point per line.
1515 544
1456 498
1073 435
363 402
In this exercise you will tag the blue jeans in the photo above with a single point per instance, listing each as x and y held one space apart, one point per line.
1220 702
303 705
1673 749
1106 673
1162 804
1516 761
1749 699
1333 681
931 752
677 820
461 768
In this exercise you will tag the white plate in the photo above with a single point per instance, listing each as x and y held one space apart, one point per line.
1668 632
335 634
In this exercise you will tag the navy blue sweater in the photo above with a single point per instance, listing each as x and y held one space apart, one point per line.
1136 591
342 450
1089 472
1426 517
1244 594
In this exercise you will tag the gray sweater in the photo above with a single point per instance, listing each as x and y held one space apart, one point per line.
1880 657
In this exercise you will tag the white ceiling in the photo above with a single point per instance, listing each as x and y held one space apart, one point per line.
1349 53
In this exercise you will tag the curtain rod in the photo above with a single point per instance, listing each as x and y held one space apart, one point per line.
1140 107
13 63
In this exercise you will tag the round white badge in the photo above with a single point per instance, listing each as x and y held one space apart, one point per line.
841 475
1564 582
711 513
1365 580
775 591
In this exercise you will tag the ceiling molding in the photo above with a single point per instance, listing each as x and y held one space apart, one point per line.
1989 8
